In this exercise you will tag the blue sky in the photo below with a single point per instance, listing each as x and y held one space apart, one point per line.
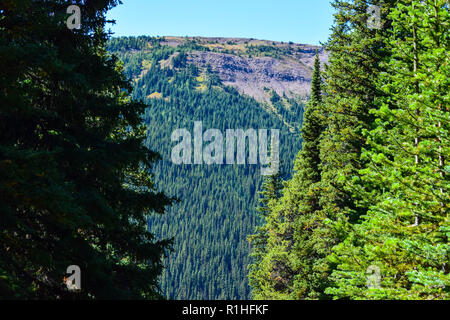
300 21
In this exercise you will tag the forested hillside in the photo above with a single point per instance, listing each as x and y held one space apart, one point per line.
75 181
94 207
216 212
365 215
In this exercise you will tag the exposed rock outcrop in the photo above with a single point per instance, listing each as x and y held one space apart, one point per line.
256 67
253 76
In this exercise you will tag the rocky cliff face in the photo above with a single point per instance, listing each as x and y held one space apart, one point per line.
255 67
254 76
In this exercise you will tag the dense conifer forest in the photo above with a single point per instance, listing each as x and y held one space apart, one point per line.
358 209
365 215
216 212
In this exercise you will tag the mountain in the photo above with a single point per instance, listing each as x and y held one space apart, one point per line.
253 66
224 83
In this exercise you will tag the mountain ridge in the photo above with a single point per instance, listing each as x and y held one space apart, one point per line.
252 66
257 68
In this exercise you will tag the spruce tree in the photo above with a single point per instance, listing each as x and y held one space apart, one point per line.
269 194
405 233
355 53
75 186
302 199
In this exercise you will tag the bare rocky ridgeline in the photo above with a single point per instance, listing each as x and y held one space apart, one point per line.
256 67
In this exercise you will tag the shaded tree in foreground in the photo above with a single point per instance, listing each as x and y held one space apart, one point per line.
75 186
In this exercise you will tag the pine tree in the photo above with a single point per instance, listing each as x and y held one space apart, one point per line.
270 192
317 199
405 233
301 202
284 265
75 186
351 75
355 52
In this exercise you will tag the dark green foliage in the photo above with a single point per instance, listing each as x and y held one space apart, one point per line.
405 232
285 261
75 187
365 215
271 191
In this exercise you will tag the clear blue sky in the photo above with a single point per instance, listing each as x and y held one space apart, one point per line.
300 21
